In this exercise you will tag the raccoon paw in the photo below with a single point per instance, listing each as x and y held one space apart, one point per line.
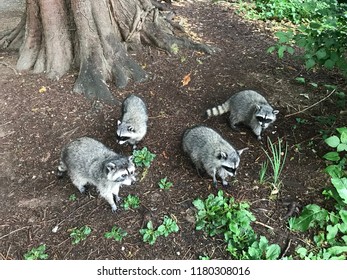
225 184
60 174
116 198
114 208
82 189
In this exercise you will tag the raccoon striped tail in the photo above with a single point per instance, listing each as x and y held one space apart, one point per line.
218 110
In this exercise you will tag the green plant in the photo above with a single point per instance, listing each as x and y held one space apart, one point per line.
79 234
72 197
300 121
164 184
168 226
219 215
321 32
36 253
131 201
277 158
262 172
330 242
116 233
149 234
204 258
143 157
330 227
336 168
261 250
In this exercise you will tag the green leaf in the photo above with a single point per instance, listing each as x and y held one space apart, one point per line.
311 215
271 49
281 51
300 80
343 215
302 252
337 250
341 147
290 50
332 156
283 37
329 64
273 252
343 137
331 232
333 141
341 187
199 204
310 63
321 53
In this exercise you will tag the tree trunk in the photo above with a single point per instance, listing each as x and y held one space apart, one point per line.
93 36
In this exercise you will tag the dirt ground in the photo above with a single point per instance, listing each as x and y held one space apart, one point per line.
36 123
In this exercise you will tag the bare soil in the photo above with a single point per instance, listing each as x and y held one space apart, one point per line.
36 122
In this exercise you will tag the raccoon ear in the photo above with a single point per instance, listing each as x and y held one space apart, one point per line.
130 158
222 155
110 166
275 112
257 106
119 122
241 151
130 128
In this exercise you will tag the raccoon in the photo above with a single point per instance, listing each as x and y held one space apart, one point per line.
249 108
211 153
133 126
87 161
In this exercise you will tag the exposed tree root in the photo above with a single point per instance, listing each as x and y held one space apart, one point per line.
94 36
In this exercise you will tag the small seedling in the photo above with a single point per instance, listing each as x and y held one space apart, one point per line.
131 201
262 172
168 226
79 234
116 233
143 157
277 158
72 197
164 184
204 258
149 234
36 253
174 48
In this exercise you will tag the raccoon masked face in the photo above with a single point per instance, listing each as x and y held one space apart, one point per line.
124 175
265 115
124 132
229 163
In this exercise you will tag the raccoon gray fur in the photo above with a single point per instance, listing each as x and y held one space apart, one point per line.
247 107
133 126
88 161
211 153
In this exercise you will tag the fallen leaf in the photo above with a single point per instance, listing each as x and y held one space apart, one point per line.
42 89
186 80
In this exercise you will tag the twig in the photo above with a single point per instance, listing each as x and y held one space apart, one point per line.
287 248
264 225
309 107
14 231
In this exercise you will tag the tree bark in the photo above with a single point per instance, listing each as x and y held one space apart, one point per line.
93 36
